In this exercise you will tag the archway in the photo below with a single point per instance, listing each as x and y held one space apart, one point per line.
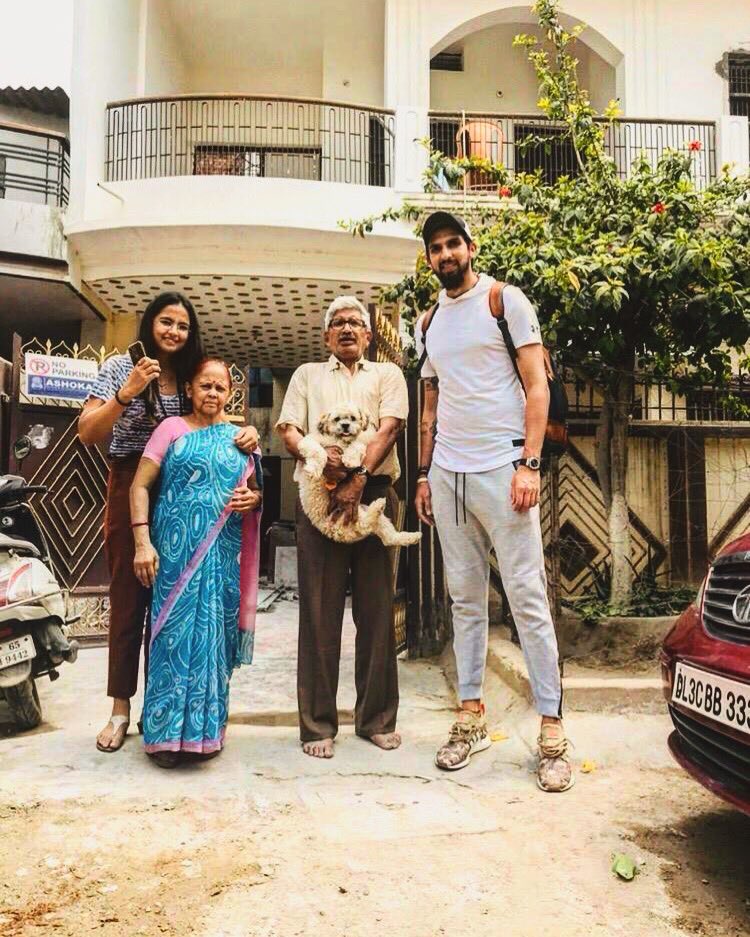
478 76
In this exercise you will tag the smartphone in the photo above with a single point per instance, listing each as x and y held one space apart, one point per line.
136 352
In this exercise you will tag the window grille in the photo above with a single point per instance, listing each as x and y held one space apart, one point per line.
739 84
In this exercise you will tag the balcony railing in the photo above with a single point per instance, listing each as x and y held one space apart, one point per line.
500 138
34 165
294 138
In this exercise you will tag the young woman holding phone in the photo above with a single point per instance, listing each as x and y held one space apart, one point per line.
128 401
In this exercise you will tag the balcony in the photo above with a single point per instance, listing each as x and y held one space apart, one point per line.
500 138
34 165
245 135
34 185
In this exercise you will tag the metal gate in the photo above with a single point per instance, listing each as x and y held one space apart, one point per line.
71 513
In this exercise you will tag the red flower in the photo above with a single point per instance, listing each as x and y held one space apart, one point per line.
658 208
695 145
504 191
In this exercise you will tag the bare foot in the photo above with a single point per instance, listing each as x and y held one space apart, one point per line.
386 740
319 748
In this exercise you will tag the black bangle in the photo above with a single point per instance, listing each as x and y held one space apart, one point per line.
423 470
117 398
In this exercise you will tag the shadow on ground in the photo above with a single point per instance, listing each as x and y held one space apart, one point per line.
704 865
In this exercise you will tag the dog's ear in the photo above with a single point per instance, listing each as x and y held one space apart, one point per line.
323 424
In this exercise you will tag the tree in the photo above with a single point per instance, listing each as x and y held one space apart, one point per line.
645 277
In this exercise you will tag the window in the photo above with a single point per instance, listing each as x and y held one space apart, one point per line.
447 62
275 162
739 84
556 157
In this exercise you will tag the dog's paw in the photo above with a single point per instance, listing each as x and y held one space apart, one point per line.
353 456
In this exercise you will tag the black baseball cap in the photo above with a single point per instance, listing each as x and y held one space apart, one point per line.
444 219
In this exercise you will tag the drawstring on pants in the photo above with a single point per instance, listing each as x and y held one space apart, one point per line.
455 494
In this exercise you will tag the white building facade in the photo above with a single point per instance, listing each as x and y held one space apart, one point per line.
217 145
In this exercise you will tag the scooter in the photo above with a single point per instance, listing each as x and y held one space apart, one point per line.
34 626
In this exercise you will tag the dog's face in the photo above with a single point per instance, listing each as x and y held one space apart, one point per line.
345 422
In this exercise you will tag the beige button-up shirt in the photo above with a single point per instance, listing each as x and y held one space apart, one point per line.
378 388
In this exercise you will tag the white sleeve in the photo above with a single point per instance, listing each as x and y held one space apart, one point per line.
521 317
427 368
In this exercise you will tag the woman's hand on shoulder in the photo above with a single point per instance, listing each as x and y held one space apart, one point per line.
245 499
247 439
146 565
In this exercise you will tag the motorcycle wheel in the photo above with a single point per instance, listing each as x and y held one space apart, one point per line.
23 702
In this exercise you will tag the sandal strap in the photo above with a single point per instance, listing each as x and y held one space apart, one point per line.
118 721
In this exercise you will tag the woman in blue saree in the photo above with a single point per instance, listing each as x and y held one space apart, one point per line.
200 554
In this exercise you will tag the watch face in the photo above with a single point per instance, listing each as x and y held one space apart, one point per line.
533 462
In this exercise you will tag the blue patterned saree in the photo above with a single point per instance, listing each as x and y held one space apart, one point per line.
203 608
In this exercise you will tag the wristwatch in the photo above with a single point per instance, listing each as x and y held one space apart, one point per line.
533 463
361 470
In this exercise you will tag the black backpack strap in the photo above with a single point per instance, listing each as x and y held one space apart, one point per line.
427 323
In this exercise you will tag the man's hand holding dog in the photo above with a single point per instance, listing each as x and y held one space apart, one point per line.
335 471
343 502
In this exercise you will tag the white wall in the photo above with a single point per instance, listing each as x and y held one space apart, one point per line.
250 46
165 60
670 47
105 57
326 48
31 230
492 63
353 51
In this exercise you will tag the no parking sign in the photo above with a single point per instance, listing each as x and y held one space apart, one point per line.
60 378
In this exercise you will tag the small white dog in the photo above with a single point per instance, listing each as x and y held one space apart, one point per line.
348 428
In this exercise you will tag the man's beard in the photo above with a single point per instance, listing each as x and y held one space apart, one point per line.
452 279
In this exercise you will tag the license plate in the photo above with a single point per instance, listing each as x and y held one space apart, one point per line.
719 698
17 651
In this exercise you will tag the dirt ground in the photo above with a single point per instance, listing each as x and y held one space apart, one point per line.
241 866
264 842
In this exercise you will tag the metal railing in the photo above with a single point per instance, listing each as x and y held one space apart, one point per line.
656 403
500 138
247 135
34 165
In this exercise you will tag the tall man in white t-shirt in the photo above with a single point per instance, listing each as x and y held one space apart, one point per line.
478 482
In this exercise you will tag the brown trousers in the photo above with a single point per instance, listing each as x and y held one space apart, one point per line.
128 600
323 569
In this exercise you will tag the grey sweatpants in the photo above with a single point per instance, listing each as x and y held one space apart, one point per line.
473 513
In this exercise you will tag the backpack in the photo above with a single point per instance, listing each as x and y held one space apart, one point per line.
556 433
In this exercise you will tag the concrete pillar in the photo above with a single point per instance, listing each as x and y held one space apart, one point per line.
407 87
734 144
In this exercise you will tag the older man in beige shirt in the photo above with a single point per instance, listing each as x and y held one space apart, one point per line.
324 565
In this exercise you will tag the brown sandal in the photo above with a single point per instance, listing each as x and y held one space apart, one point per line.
120 724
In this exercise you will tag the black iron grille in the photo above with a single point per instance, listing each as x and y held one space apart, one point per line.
728 576
722 756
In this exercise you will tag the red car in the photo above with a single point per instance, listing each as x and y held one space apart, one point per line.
706 672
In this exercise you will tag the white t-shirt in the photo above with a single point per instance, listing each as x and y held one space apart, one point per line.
481 404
